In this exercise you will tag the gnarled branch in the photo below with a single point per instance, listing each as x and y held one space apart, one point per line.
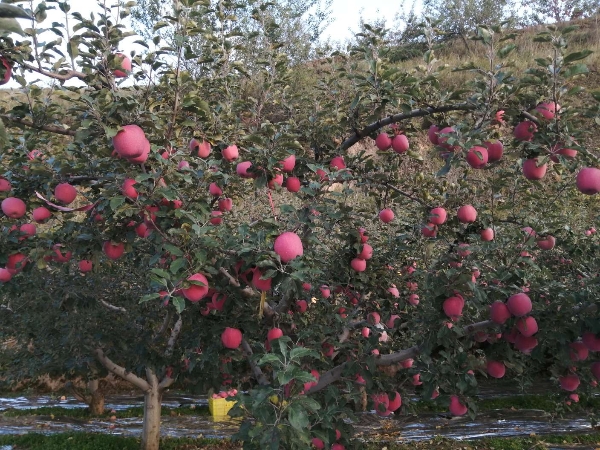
56 129
67 75
109 365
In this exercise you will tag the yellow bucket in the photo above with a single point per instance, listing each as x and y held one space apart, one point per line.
219 407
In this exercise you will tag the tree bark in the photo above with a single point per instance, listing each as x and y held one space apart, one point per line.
152 406
96 403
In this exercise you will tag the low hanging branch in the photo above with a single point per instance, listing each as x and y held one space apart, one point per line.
138 382
335 374
67 75
56 129
421 112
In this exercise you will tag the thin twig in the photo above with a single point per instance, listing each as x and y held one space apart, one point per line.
113 307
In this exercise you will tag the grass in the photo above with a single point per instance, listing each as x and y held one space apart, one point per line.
84 413
92 441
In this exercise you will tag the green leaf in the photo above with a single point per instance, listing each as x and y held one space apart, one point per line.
177 264
11 25
506 50
161 273
576 69
302 352
268 359
149 297
179 304
117 201
11 11
298 417
596 95
576 56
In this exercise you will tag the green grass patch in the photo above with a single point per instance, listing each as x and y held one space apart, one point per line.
84 413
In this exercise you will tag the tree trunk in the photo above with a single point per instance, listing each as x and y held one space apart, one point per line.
96 403
152 405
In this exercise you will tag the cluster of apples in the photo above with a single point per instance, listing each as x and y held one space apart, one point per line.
359 263
225 394
384 406
320 445
522 334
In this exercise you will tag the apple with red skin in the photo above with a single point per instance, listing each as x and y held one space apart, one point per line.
395 401
317 443
5 185
495 150
591 341
230 153
202 148
442 140
242 169
288 164
113 251
569 382
288 246
28 230
366 252
429 230
413 299
565 152
400 143
432 134
456 407
532 171
381 402
142 230
124 64
322 175
292 184
276 181
386 215
274 333
525 130
467 214
7 70
225 204
365 332
128 190
477 157
130 142
437 216
547 109
595 368
487 234
391 323
5 275
337 163
215 218
85 265
499 312
546 243
578 351
453 307
215 190
258 282
301 305
13 207
374 318
358 264
16 263
407 363
231 338
519 304
143 156
588 180
383 141
183 165
525 344
325 291
527 326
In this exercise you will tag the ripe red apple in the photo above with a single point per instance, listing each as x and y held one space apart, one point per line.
366 252
432 134
524 131
231 338
567 153
113 251
258 282
383 141
527 326
394 291
5 275
196 292
288 164
242 169
202 148
588 180
546 243
499 312
128 190
569 382
85 265
463 250
142 230
292 184
437 216
466 214
231 153
325 292
386 215
144 155
407 363
274 333
381 402
374 318
456 407
365 332
453 307
7 70
417 380
442 140
532 171
317 443
495 150
391 323
225 204
400 143
578 352
183 165
16 262
337 163
130 142
595 367
547 109
5 185
28 230
429 230
591 341
215 190
322 175
525 344
302 305
519 304
288 246
487 234
276 181
124 64
310 384
395 401
358 264
495 369
413 299
477 157
215 218
13 207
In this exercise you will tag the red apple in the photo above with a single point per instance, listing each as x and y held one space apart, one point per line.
5 185
242 169
231 153
288 246
113 251
569 382
28 230
519 304
276 181
395 401
495 150
274 333
499 312
325 292
591 341
477 157
437 216
383 141
130 142
527 326
487 234
13 207
466 214
225 204
532 171
374 318
231 338
429 230
453 307
215 218
578 352
413 299
85 265
288 164
546 243
400 143
432 134
391 323
7 70
386 215
366 252
359 265
595 367
337 163
196 292
124 64
456 407
293 184
16 262
524 131
215 190
302 305
202 148
525 344
128 190
588 180
5 275
547 109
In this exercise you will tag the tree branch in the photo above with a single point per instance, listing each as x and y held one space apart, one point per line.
358 135
173 338
69 74
258 374
113 307
29 124
165 383
138 382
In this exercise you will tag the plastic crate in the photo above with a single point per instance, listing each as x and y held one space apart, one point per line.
219 407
